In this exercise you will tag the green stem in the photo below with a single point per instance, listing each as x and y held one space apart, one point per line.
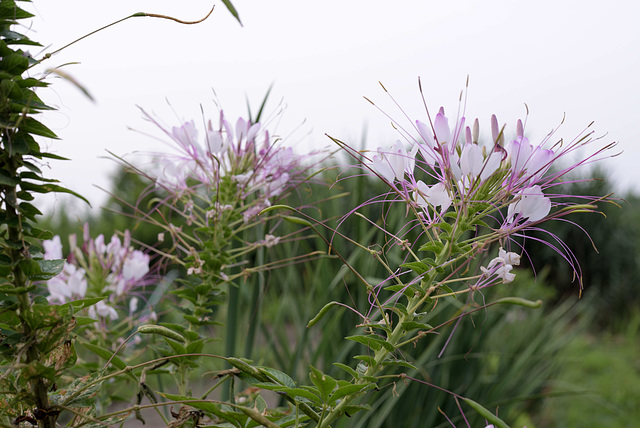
254 314
394 338
231 333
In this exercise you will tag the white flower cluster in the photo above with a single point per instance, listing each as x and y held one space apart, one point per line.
96 269
502 266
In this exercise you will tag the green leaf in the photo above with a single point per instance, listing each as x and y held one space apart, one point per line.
291 392
418 267
50 268
367 359
399 363
9 11
195 347
34 127
177 347
448 290
105 354
412 325
7 180
372 342
398 308
407 290
347 369
82 321
349 390
323 382
48 188
350 410
278 376
232 9
434 246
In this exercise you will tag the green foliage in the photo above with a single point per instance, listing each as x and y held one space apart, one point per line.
601 377
37 338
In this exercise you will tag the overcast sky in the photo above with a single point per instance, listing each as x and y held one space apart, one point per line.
579 58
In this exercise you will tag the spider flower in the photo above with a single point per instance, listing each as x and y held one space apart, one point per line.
95 269
241 166
454 184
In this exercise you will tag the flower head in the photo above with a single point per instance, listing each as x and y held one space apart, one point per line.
96 268
244 157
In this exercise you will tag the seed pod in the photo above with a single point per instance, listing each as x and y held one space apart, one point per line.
162 331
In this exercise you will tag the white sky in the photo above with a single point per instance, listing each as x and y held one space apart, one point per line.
581 58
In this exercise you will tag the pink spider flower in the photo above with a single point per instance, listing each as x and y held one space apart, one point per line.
508 185
95 269
244 153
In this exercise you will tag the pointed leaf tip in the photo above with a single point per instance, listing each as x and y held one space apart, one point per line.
233 10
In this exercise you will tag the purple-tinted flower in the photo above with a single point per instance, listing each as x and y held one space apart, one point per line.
392 163
52 248
96 268
473 164
245 153
135 266
269 240
434 196
502 265
102 310
68 285
530 204
528 163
